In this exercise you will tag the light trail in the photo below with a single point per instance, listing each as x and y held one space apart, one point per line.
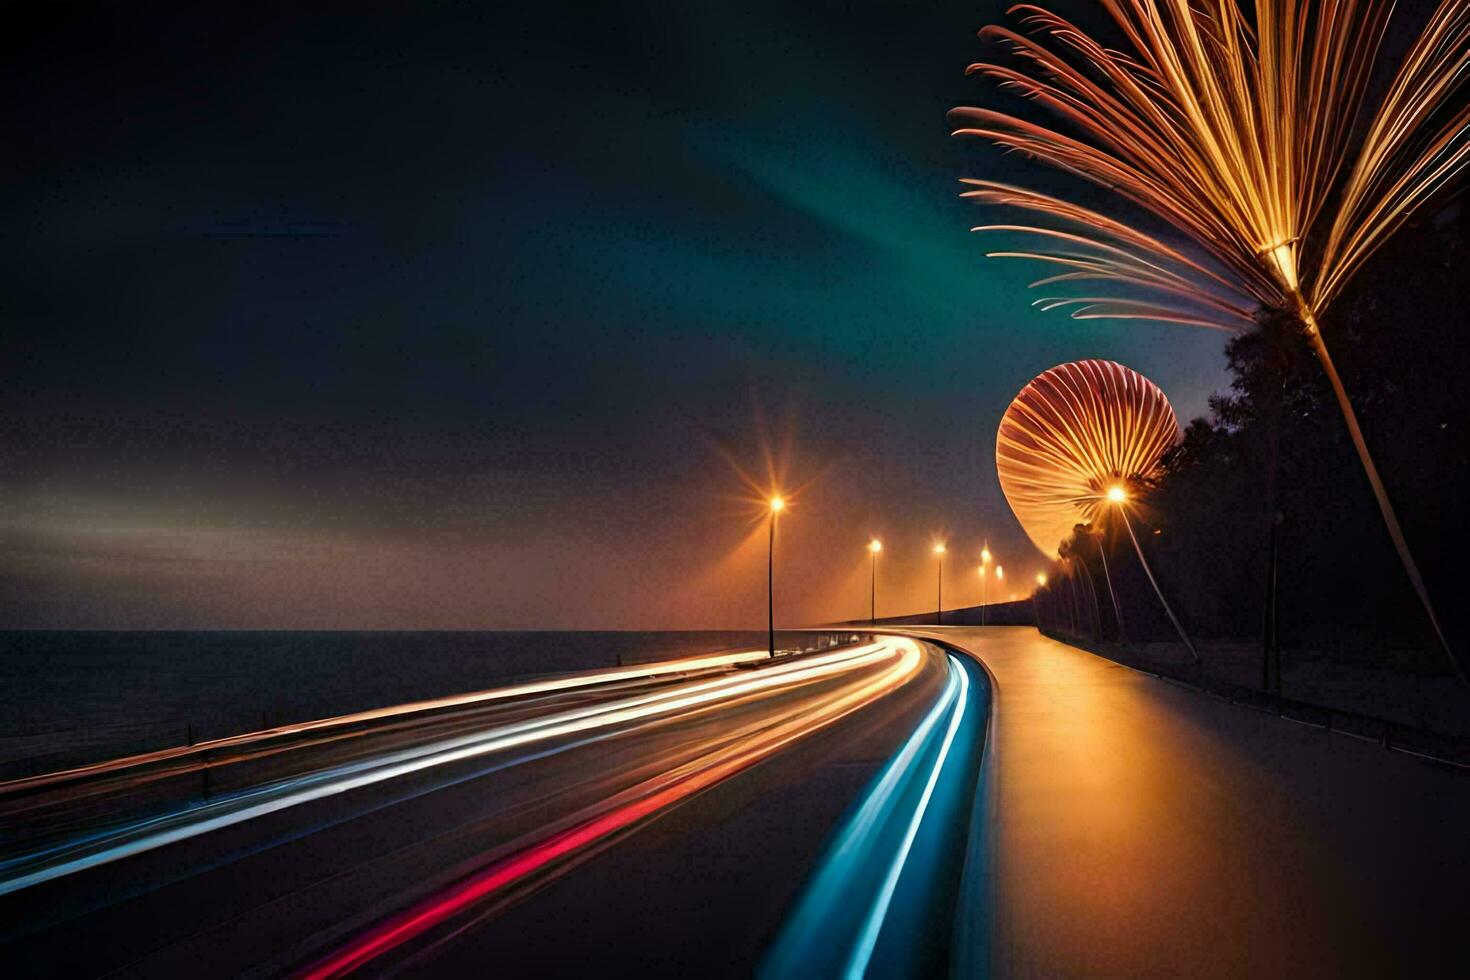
299 755
619 813
846 906
862 952
550 685
145 835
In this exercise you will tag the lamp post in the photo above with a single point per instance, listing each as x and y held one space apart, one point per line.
874 546
1118 497
777 505
939 600
1035 606
1000 577
982 595
984 583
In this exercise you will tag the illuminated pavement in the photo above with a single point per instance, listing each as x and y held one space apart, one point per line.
1137 827
837 813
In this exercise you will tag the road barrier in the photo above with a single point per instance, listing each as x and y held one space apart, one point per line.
1396 736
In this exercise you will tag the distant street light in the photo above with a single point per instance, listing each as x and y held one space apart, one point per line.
1041 579
984 583
777 505
939 603
874 546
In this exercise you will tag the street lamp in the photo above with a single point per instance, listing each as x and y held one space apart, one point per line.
982 595
1035 609
1118 497
874 546
777 506
984 583
939 603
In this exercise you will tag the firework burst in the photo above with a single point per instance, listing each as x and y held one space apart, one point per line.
1072 434
1239 132
1079 441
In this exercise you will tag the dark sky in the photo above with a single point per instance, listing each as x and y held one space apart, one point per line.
404 320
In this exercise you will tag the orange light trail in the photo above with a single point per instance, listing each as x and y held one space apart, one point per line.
690 665
621 812
475 738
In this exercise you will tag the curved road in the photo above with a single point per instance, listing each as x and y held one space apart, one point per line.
413 837
832 813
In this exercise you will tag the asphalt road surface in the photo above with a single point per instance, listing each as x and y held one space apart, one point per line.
612 822
992 803
1138 827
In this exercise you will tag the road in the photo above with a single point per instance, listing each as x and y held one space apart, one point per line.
415 836
1136 827
838 812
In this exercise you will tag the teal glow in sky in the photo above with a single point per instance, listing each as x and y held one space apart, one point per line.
408 321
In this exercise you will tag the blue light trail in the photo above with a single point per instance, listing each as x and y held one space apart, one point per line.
906 836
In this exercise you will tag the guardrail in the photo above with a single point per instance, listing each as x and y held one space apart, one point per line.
1451 750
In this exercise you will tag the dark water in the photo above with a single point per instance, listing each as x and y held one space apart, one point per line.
69 696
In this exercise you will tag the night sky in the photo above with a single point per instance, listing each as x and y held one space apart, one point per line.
471 320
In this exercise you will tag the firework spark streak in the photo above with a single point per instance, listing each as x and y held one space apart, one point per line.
1239 134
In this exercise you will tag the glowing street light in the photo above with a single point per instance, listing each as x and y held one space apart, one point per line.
1041 579
777 506
1000 573
939 603
984 583
1118 497
874 546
